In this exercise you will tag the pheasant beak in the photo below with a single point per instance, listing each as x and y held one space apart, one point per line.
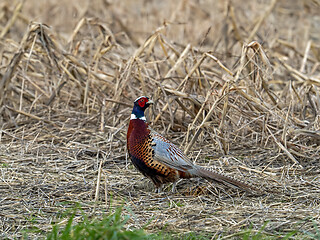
150 102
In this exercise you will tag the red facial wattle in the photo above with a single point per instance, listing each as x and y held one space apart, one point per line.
142 103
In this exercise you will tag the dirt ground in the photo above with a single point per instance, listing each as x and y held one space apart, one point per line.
235 85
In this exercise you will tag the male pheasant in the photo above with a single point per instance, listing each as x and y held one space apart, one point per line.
159 159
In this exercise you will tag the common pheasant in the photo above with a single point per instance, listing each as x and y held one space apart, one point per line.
160 160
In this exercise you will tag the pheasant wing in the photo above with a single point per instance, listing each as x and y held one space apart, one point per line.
169 154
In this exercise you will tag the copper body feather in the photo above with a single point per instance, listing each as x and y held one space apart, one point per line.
141 153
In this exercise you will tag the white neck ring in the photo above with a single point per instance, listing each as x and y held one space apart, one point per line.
133 116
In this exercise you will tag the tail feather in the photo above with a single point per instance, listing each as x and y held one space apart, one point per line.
218 177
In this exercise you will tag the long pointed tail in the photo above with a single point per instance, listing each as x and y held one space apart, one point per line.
218 177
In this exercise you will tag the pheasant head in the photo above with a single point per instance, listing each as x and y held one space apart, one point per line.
140 105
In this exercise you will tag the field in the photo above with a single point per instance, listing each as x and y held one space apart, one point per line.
236 85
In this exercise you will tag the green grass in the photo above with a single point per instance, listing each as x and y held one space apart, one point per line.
251 234
316 234
114 226
111 226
